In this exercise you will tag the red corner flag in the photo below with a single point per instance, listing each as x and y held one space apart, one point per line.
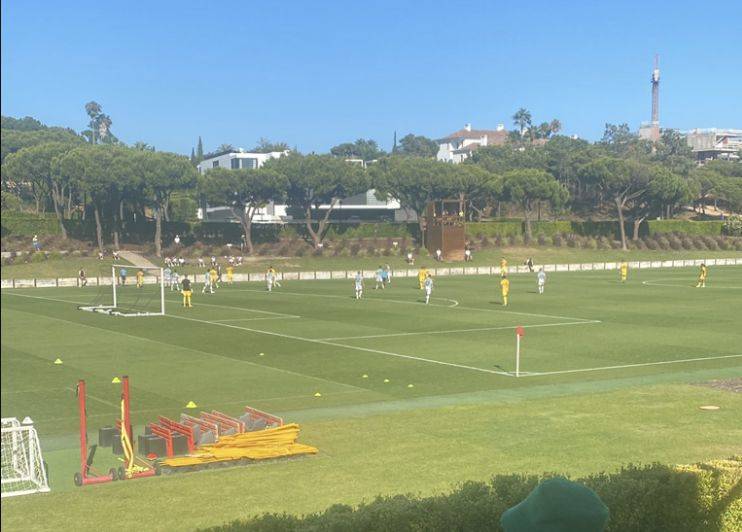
520 331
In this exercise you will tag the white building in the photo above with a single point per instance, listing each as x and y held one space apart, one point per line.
358 207
708 144
239 159
458 146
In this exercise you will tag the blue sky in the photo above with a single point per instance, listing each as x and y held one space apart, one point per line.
315 74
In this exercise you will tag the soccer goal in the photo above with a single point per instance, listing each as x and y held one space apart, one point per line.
23 470
130 291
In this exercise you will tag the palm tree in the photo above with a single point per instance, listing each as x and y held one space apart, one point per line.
555 126
522 119
93 110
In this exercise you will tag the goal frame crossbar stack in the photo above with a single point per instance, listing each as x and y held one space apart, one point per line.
114 309
23 469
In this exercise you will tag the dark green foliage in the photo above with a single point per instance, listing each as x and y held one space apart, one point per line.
684 226
640 498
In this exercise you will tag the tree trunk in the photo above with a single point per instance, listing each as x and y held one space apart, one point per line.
637 224
57 198
98 229
619 207
158 231
116 225
310 228
246 220
527 216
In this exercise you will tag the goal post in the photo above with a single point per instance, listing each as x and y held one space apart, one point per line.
23 469
131 291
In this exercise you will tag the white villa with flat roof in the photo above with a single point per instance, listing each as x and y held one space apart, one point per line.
458 146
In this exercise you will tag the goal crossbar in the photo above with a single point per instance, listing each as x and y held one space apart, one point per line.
152 275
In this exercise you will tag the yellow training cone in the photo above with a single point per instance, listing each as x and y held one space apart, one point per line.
410 385
191 404
364 376
116 380
261 354
386 380
318 394
58 361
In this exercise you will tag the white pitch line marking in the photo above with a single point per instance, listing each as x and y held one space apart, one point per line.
353 347
656 283
452 331
245 309
623 366
207 353
261 319
384 300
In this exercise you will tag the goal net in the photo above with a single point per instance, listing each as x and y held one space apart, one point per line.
23 470
130 291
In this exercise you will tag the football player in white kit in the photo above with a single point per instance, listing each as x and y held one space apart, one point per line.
428 288
541 280
359 285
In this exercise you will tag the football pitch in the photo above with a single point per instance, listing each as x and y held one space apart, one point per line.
398 395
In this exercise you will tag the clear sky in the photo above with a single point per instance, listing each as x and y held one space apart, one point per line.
315 74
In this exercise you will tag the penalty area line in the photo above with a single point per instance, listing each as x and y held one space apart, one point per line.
624 366
344 346
454 331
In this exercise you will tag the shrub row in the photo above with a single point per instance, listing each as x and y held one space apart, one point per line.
672 241
640 498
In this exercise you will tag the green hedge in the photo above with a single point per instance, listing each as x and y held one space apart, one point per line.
640 498
20 224
550 228
490 229
687 227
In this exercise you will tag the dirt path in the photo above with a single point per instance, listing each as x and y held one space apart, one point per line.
136 259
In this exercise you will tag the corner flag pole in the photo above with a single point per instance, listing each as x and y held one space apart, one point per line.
519 331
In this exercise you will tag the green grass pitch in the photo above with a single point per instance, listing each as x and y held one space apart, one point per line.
414 397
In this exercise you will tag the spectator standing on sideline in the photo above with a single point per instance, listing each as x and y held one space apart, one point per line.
176 240
35 242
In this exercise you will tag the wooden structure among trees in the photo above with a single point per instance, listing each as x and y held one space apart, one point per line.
445 228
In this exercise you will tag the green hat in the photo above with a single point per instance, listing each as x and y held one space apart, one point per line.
557 505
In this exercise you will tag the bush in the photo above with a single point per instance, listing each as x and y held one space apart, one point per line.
589 243
651 243
640 498
663 242
541 239
354 249
698 243
710 243
557 240
733 226
37 257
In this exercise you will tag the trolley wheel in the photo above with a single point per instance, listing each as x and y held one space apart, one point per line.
122 473
113 473
78 479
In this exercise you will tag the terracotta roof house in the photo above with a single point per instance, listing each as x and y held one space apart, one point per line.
458 146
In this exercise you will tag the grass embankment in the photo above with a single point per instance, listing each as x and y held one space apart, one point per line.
69 266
